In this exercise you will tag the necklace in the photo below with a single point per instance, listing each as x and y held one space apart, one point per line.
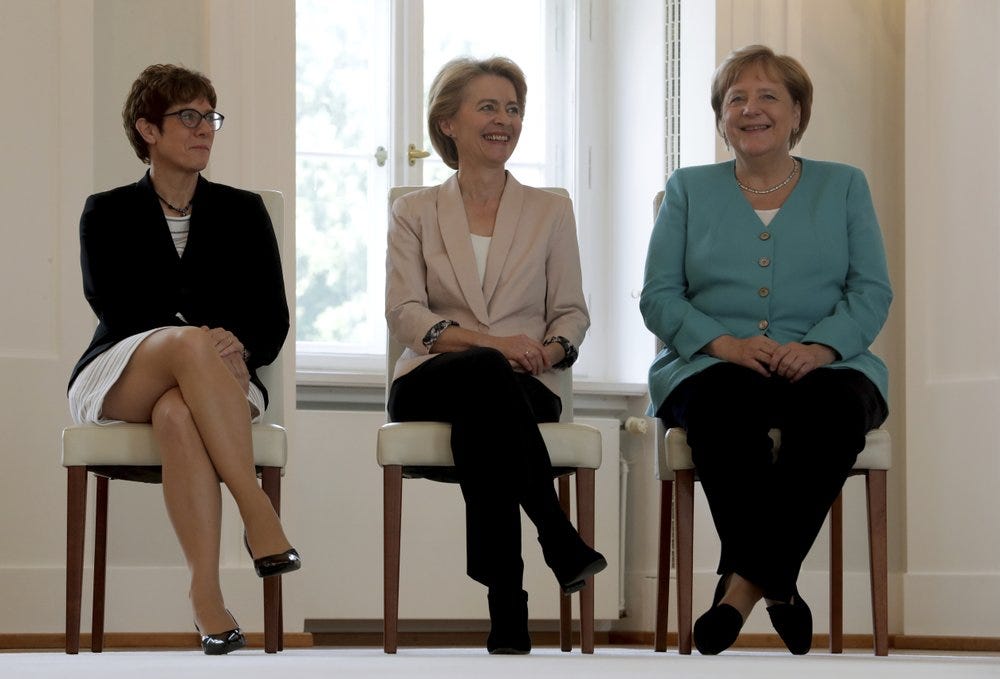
183 211
760 192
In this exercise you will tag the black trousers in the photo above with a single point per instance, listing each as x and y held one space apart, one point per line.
769 510
500 457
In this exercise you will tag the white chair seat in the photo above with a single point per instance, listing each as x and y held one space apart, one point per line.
128 444
428 444
676 455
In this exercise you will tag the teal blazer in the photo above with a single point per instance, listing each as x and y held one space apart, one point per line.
817 273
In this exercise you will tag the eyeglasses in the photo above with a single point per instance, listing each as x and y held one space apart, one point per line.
191 118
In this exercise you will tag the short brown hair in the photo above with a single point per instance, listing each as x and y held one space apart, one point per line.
157 88
448 88
782 68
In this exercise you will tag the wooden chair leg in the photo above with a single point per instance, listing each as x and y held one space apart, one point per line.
76 524
684 487
837 575
100 564
585 523
663 567
392 507
565 602
878 552
271 484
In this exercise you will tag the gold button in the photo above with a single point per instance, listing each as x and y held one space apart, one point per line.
763 292
765 235
764 261
762 325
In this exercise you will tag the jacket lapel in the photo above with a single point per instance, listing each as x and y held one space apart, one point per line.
508 219
454 227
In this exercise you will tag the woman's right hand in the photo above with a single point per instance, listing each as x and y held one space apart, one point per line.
752 352
524 353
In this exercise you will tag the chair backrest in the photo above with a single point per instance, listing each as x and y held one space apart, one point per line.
273 375
394 349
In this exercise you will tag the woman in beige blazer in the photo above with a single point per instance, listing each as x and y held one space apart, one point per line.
483 287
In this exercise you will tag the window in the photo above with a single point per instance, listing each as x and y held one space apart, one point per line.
362 72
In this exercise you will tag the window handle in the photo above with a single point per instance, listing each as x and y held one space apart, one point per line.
413 154
381 155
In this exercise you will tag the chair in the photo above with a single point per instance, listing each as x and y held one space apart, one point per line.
408 449
128 452
674 464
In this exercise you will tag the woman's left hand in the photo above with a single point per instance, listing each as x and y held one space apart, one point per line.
795 360
225 342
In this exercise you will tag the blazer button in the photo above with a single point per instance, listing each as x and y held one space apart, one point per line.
765 235
764 261
763 292
762 325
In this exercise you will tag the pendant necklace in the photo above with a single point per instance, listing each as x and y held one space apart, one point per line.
183 212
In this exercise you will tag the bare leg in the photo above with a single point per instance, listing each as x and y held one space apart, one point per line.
184 358
193 498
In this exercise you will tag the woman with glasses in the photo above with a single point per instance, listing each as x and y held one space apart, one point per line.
185 278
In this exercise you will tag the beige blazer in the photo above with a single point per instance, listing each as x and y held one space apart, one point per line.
533 284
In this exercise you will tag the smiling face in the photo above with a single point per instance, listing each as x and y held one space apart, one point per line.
175 147
759 115
487 125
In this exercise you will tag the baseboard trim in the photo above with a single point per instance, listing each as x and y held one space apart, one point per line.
133 640
459 637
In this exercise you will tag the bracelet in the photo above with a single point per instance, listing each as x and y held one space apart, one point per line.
571 352
432 335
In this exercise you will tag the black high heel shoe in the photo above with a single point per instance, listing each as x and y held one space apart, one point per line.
224 642
276 564
718 628
793 623
508 622
572 562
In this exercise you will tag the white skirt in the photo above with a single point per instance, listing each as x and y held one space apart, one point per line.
86 396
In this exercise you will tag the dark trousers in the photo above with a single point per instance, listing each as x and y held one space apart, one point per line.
500 457
769 510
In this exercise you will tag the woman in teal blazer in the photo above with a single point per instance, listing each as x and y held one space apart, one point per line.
767 282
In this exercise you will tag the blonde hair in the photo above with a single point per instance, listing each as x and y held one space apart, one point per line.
448 88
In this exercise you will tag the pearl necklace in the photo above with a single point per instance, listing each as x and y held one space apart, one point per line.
183 212
760 192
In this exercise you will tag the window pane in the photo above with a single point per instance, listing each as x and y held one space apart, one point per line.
341 118
456 29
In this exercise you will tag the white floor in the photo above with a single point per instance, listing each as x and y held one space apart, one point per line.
473 663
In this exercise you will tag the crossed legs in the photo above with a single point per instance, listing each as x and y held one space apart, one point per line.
201 420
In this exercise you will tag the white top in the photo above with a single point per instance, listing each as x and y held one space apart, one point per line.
767 215
481 248
179 228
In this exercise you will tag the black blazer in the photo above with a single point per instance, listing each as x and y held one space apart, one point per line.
229 275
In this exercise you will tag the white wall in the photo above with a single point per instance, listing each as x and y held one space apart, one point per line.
952 317
69 63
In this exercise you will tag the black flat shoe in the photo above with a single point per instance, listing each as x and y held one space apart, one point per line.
793 623
222 643
718 628
508 622
276 564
